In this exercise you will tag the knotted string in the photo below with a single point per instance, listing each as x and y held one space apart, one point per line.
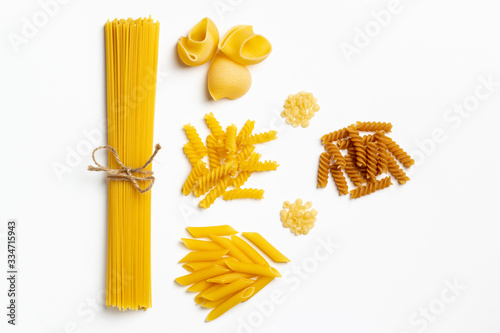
126 173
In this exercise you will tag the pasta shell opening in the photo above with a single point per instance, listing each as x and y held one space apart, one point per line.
200 45
243 46
227 78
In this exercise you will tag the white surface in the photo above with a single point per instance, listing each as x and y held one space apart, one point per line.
397 247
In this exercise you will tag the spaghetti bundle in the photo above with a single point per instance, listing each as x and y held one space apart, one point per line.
131 68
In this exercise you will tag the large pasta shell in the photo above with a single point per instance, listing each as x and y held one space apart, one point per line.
243 46
200 44
227 78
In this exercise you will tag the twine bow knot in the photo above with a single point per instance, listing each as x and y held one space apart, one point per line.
132 175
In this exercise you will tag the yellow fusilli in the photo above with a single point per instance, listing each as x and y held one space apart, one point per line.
198 171
214 126
244 193
260 138
195 140
216 192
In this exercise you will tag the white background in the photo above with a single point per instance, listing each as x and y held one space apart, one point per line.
398 250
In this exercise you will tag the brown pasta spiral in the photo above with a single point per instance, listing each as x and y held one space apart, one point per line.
383 154
347 143
359 146
324 167
372 126
396 171
334 152
335 136
371 187
371 160
398 152
339 179
352 171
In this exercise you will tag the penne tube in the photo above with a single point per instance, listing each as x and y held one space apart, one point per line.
249 251
226 290
199 286
259 284
230 277
200 298
197 265
201 275
213 304
266 247
200 245
220 230
234 251
204 255
230 303
243 267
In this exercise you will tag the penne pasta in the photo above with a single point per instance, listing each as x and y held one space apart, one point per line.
243 267
230 277
226 290
200 298
259 284
204 255
201 275
266 247
197 265
219 230
230 303
200 245
199 286
249 251
213 304
234 251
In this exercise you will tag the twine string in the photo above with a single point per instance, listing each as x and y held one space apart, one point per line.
132 175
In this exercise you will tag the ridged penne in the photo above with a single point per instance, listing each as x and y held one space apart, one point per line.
218 230
197 265
201 245
251 268
230 277
199 286
266 247
259 284
249 251
201 275
228 289
204 255
234 251
230 303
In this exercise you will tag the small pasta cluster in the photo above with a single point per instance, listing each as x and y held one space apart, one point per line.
299 217
231 161
299 109
226 271
228 75
367 157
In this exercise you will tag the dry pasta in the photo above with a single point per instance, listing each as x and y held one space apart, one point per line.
266 247
256 269
231 161
131 71
219 230
204 255
299 109
226 282
339 179
371 187
200 44
367 157
244 193
324 167
300 217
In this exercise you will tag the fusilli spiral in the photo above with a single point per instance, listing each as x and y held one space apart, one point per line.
371 160
216 192
334 152
347 143
245 131
198 171
195 140
358 145
214 126
324 167
352 171
372 126
398 152
191 154
335 136
244 193
383 154
396 171
213 153
338 177
260 138
206 182
371 187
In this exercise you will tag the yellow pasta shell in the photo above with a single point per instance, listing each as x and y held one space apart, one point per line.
243 46
200 44
227 78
